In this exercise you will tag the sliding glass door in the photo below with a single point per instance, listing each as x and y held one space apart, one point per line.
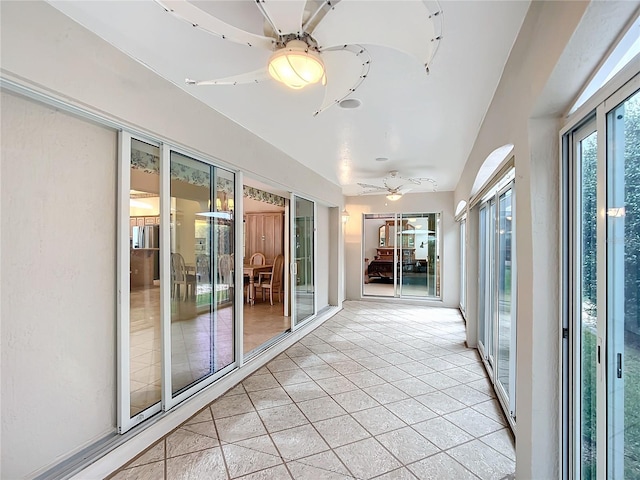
379 263
602 268
419 253
200 327
585 151
506 295
623 289
463 265
139 283
303 254
497 290
401 255
175 278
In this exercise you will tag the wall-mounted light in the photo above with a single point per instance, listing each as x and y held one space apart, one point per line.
345 216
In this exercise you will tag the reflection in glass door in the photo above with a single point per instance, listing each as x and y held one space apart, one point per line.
303 267
623 289
202 266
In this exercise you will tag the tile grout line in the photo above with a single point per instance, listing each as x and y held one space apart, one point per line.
399 347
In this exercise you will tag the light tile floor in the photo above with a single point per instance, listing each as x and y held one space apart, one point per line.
386 391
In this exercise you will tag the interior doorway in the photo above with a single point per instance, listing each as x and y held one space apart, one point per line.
264 260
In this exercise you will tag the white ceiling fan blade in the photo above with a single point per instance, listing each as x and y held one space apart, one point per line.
373 187
407 26
347 66
415 181
201 19
257 76
432 181
284 15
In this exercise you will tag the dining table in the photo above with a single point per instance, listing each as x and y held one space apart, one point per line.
252 271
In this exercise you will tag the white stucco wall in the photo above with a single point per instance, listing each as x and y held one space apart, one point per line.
58 292
439 202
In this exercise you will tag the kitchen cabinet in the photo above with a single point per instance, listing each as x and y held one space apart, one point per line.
264 233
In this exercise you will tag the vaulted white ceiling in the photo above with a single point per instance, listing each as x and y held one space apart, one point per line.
425 125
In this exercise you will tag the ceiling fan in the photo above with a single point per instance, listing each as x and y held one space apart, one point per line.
395 185
303 34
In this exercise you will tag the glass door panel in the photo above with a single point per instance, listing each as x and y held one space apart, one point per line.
623 289
506 345
202 269
144 278
378 240
304 259
482 280
490 311
463 266
586 151
418 252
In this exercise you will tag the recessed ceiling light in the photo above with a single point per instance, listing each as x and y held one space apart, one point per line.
381 159
350 103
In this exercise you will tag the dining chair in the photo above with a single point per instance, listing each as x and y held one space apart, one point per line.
257 259
272 281
180 276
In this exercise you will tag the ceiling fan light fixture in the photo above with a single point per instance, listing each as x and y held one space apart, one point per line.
296 65
394 196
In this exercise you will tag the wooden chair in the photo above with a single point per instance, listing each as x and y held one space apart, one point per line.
257 259
179 277
272 281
